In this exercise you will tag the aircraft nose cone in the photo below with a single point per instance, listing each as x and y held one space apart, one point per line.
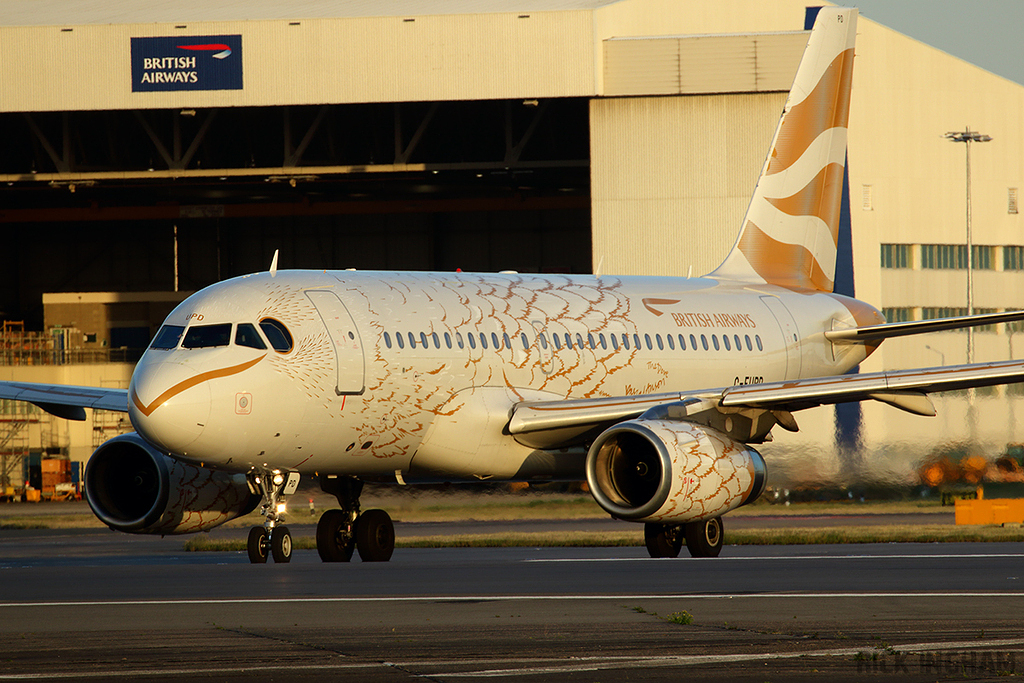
166 406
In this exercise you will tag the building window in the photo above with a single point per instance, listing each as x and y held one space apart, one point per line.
867 202
982 257
1011 200
895 255
944 256
898 315
1013 258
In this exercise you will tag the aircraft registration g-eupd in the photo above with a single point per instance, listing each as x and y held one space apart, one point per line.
652 387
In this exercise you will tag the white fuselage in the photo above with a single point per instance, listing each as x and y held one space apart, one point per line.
413 375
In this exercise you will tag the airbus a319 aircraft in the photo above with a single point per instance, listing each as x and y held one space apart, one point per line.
654 388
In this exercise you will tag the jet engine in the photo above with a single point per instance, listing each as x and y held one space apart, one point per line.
135 488
671 472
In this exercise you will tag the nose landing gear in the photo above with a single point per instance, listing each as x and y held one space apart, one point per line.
273 538
339 532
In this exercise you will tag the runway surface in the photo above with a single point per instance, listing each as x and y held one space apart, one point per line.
95 605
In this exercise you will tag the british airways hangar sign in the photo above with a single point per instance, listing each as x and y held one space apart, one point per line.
187 63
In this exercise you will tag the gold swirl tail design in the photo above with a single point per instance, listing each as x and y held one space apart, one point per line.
791 229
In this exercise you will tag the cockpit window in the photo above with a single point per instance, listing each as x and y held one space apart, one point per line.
167 337
205 336
246 335
277 334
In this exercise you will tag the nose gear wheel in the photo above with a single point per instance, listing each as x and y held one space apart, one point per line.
273 538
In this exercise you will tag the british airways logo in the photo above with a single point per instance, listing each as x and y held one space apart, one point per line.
187 63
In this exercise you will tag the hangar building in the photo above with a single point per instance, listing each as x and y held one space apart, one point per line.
164 147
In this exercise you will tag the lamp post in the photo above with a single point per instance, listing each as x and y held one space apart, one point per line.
967 136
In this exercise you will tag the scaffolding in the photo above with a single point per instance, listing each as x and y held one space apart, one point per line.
106 424
16 417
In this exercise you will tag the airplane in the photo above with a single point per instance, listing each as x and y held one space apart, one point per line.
654 389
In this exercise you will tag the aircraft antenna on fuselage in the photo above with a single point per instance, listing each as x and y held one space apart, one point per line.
273 265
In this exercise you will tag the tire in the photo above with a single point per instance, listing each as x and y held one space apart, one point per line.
375 536
257 545
334 543
663 540
705 539
281 544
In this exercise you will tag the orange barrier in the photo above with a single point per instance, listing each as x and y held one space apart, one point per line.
992 511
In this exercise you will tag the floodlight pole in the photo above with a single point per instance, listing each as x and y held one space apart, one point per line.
967 136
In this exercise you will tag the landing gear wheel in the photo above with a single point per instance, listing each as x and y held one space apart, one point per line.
375 536
663 540
257 545
281 544
334 541
704 539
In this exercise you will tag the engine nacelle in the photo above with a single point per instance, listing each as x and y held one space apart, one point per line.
135 488
672 472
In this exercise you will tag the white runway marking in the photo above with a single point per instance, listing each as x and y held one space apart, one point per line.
509 598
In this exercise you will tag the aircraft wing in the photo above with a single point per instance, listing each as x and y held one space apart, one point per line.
68 402
551 423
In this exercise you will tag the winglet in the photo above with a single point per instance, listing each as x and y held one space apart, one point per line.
273 265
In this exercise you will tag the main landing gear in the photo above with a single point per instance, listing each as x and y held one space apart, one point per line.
339 532
273 538
703 539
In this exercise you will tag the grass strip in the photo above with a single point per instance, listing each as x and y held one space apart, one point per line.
794 536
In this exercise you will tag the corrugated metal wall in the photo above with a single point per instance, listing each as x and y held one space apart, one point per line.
702 64
377 59
671 178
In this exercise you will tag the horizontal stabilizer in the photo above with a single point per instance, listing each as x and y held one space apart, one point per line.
874 333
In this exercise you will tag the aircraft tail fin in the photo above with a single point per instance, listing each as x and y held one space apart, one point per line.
791 229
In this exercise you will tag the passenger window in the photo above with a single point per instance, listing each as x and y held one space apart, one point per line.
543 342
458 339
671 342
746 338
636 341
693 343
647 339
579 340
704 342
437 344
526 343
714 340
600 338
277 334
412 341
556 342
625 341
736 339
246 335
508 342
590 338
448 340
167 337
615 342
657 338
494 342
387 340
757 338
423 340
398 338
725 340
483 340
568 341
682 343
472 340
